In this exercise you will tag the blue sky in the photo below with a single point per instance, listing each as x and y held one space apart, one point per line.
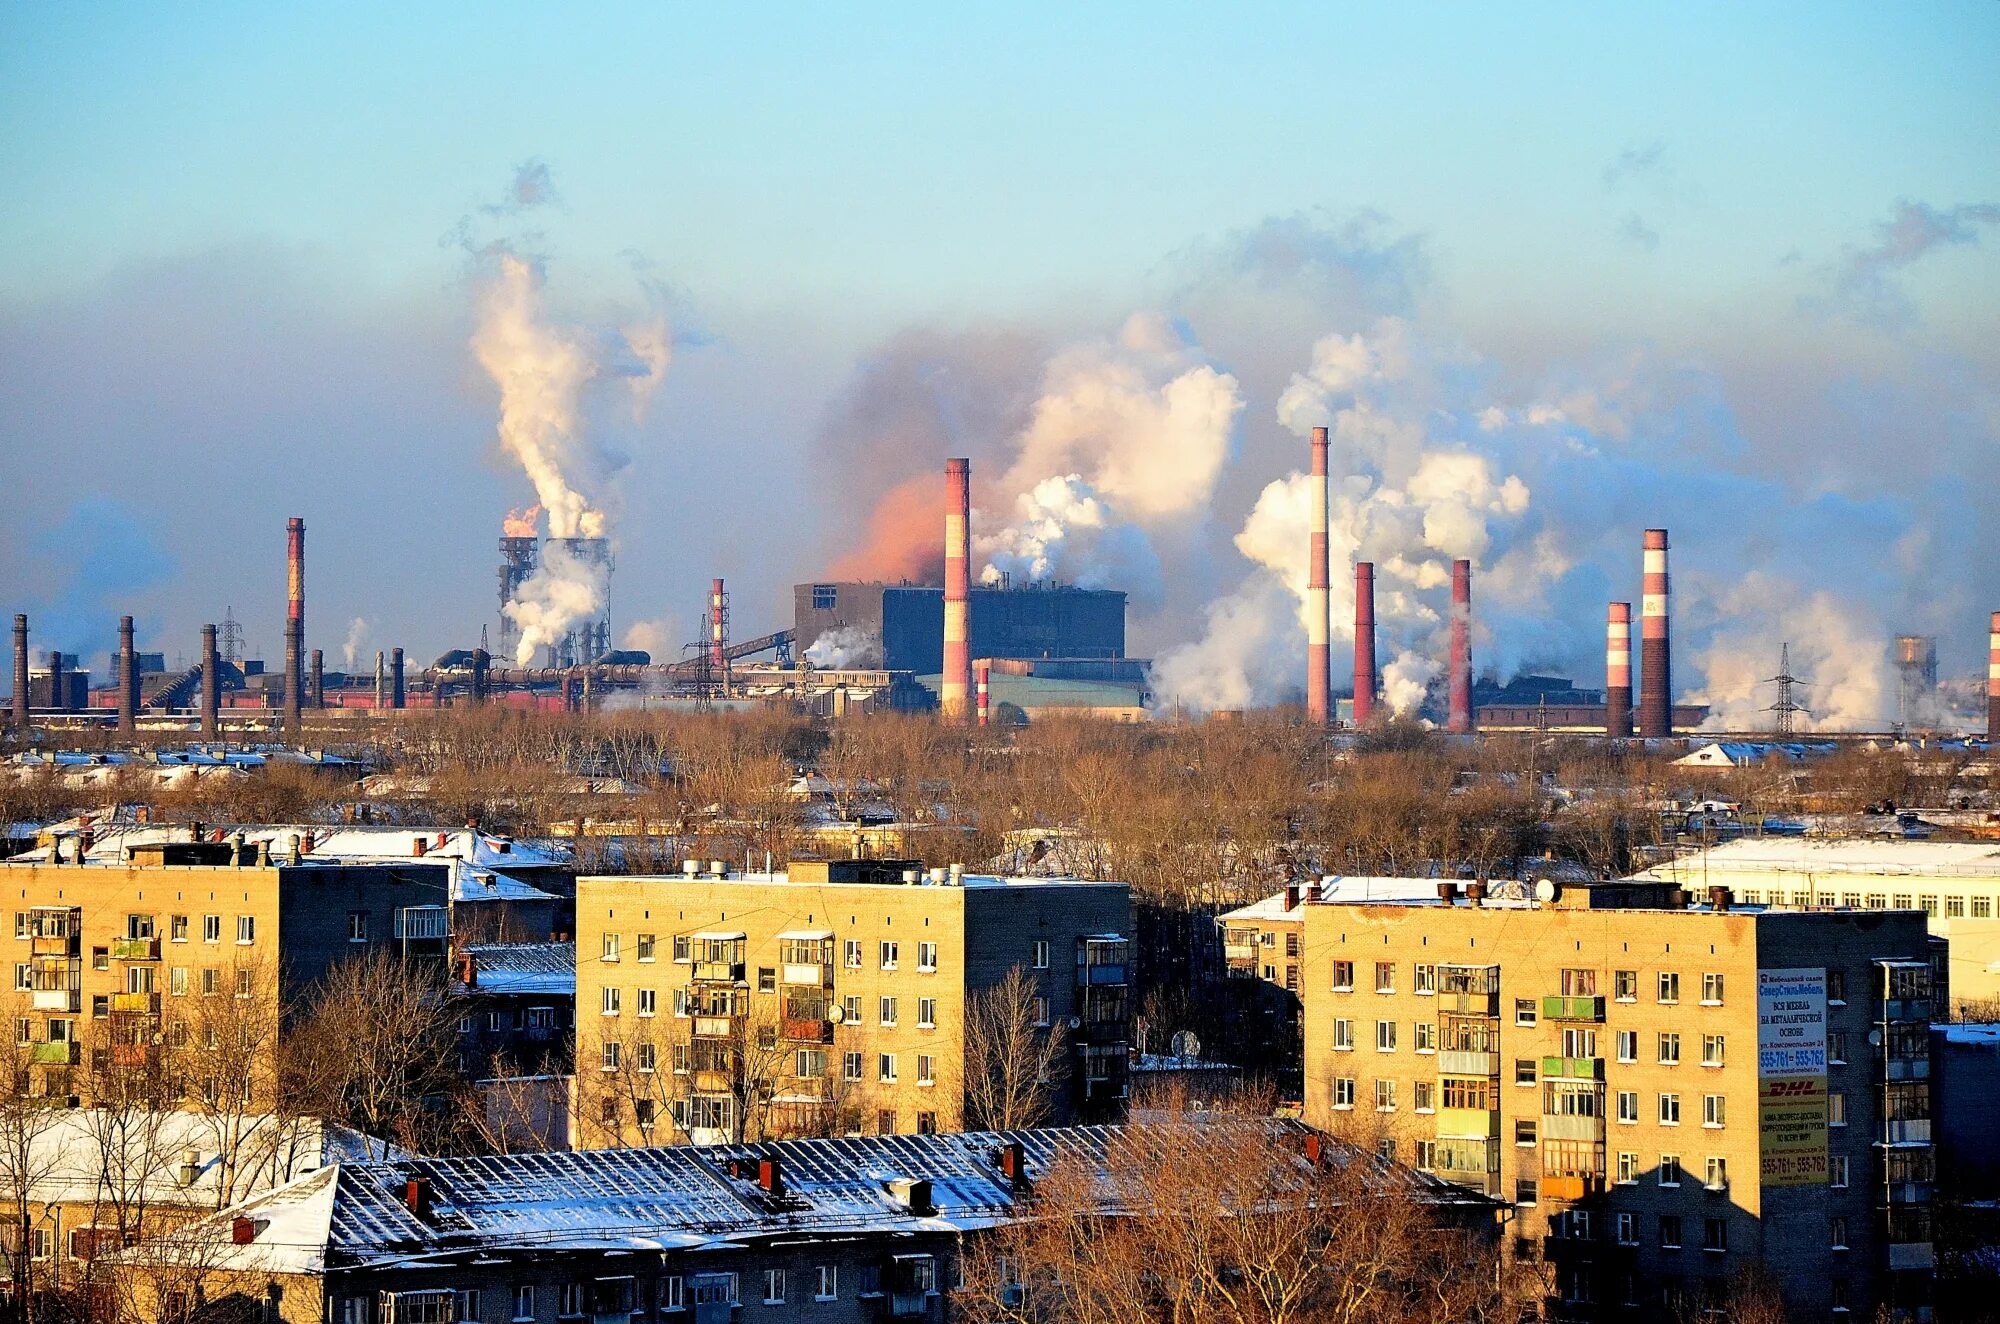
227 225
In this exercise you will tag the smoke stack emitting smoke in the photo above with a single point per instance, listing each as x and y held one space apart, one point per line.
1319 599
1459 703
1364 642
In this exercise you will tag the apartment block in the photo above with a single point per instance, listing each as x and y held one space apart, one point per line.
116 964
1667 1094
833 998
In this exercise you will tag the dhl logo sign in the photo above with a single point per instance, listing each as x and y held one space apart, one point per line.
1792 1089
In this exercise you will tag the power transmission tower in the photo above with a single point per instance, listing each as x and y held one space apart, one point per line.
231 640
1787 706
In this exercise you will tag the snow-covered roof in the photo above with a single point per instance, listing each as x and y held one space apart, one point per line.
472 882
480 852
1741 753
523 967
1797 855
1971 1034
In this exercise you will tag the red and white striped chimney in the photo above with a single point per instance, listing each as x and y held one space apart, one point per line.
1319 598
955 686
982 671
715 625
1993 678
1364 641
1618 671
1459 713
1656 686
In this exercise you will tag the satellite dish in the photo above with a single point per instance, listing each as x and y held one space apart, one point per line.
1545 889
1185 1044
837 1015
1076 1022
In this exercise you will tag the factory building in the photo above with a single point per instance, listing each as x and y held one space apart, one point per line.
900 627
1667 1095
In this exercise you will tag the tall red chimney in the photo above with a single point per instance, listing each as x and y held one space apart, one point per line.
982 671
955 686
1364 641
1319 599
295 627
128 679
715 627
1656 686
1618 671
21 673
1993 678
1459 715
211 684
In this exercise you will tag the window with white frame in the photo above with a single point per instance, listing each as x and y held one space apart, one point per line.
1343 1091
524 1302
774 1287
1670 1110
608 1055
1041 954
1711 989
829 1283
1712 1050
673 1292
888 954
926 1069
1628 1106
1425 1035
885 1067
926 1013
1424 979
1628 1045
1385 1096
887 1008
610 947
613 1000
1670 1169
1713 1112
1385 1036
649 1001
1718 1173
1343 1035
927 956
1628 1168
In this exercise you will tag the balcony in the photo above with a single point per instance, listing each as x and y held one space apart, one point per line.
1468 1123
56 944
714 1027
718 972
1905 1131
1555 1008
1570 1187
1912 1255
801 1030
1908 1192
141 1002
1906 1009
1906 1068
133 1055
803 975
1470 1004
57 999
135 949
1564 1127
1240 953
1573 1068
1100 974
713 1081
1459 1062
53 1055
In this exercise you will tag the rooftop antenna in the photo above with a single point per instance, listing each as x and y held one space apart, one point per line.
1787 706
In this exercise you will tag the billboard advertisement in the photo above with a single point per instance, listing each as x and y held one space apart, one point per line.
1791 1077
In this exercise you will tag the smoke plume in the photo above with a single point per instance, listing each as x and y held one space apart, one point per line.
848 647
357 639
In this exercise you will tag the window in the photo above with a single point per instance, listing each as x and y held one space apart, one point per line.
887 1010
100 958
927 956
211 928
1524 1133
243 983
1524 1071
648 1055
1385 1036
177 981
1628 1106
1982 907
1042 1011
1837 1171
1425 1034
1628 1168
1463 1093
1524 1011
496 1021
885 1067
885 1123
1718 1173
1425 1158
774 1287
926 1069
888 955
810 1064
1343 1091
1670 986
1670 1169
612 999
1711 989
1715 1234
1670 1049
825 596
357 926
1628 1229
209 978
610 946
1712 1110
1954 907
649 1001
524 1301
1670 1110
1524 1190
1625 985
1579 1042
1836 985
1385 1096
1836 1109
1836 1229
829 1283
1836 1046
1929 905
1343 976
683 1003
1670 1231
683 948
1343 1035
851 954
607 1055
23 977
926 1013
645 947
850 1009
1423 1095
1712 1050
850 1066
1628 1045
1385 976
468 1304
1041 954
673 1292
1579 983
1424 979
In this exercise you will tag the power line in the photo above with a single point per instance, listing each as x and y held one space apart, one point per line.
1787 707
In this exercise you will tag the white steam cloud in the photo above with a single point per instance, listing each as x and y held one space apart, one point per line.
357 639
846 647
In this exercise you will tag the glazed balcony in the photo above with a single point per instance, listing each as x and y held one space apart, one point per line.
135 949
1559 1008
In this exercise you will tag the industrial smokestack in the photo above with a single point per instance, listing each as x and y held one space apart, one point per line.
1319 598
482 661
381 682
316 686
21 673
715 627
1618 671
1364 641
1993 678
983 673
211 684
295 627
955 686
1459 714
58 689
1656 686
395 678
128 679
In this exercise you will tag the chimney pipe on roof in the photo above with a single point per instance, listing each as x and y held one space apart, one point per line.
1364 642
771 1176
1992 678
1459 716
1014 1163
417 1196
211 684
128 679
1718 898
1656 686
1291 896
21 673
1319 598
955 685
395 678
295 628
1618 671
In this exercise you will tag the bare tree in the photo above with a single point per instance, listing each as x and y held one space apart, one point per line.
1013 1056
29 1160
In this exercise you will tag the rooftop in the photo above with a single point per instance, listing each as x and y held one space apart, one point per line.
523 967
1807 856
859 873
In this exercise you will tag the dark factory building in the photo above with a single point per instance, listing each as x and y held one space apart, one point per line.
900 627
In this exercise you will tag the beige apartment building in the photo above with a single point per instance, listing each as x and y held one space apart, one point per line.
833 998
1666 1094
